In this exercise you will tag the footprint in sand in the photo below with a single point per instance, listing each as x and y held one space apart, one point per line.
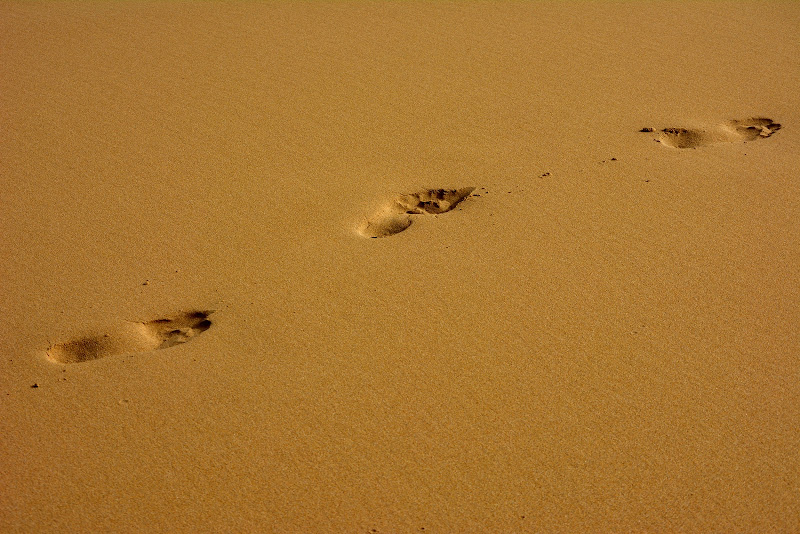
731 131
396 216
133 337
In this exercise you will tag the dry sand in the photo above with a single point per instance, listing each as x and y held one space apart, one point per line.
601 337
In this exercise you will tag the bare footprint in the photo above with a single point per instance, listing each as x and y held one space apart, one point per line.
731 131
133 337
397 215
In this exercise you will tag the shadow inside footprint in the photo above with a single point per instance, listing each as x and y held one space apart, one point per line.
755 128
682 137
397 215
179 329
133 337
727 132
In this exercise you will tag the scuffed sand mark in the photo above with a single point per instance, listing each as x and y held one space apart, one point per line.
731 131
397 215
133 337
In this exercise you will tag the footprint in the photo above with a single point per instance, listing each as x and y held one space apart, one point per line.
727 132
133 337
397 215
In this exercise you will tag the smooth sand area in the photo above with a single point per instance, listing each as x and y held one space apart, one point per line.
386 267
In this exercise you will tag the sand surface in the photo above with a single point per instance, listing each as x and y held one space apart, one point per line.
199 334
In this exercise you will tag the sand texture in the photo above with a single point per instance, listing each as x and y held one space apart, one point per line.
452 267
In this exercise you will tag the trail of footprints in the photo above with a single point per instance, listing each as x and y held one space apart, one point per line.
399 213
394 217
732 131
133 337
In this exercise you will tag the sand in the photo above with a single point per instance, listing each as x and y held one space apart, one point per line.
200 333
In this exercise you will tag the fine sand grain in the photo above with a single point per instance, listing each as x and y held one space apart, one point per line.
561 326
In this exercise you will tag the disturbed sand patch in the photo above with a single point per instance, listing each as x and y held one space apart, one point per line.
133 337
396 216
731 131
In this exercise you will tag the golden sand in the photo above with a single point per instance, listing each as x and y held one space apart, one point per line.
599 334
